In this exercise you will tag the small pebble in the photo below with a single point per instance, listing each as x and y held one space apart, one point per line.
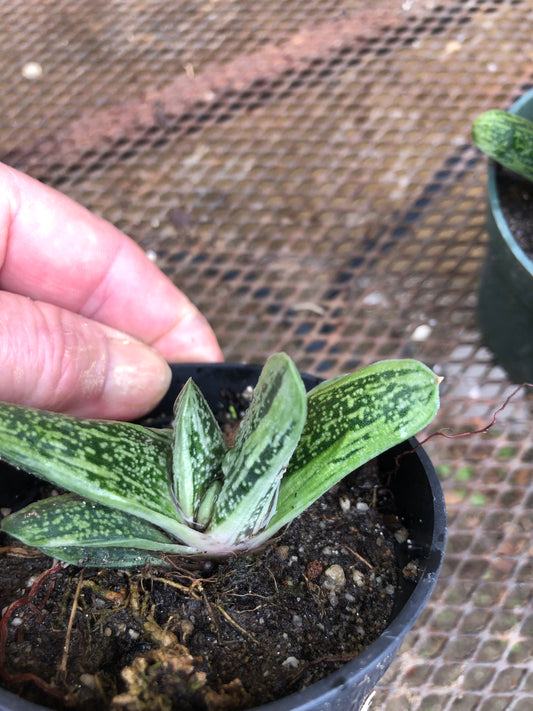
187 628
88 680
344 503
410 571
358 578
334 578
361 506
283 552
290 662
401 535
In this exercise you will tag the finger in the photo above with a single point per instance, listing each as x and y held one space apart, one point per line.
53 359
54 250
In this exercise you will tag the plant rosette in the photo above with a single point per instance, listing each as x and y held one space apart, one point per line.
505 298
412 523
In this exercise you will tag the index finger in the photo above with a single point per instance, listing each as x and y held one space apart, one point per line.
54 250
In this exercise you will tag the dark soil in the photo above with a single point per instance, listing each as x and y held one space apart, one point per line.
204 635
516 199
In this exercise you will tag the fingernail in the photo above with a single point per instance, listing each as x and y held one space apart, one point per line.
192 340
137 379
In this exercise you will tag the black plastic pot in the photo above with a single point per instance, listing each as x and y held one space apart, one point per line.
420 500
505 303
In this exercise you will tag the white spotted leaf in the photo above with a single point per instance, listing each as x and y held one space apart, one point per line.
198 450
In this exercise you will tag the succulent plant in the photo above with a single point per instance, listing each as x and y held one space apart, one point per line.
506 138
138 494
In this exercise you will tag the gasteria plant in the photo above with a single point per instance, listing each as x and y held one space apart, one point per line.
139 494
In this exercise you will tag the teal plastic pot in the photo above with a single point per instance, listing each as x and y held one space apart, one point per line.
419 498
505 303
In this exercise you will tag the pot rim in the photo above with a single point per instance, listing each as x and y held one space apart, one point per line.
520 106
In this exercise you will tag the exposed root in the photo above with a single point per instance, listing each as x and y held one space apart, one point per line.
359 557
188 589
62 669
232 622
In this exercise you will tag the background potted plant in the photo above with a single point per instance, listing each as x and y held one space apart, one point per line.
505 304
111 522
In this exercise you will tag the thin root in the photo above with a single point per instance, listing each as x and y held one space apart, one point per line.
62 669
235 624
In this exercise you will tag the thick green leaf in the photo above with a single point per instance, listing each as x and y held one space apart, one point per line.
118 464
351 419
79 531
264 442
507 138
199 447
68 520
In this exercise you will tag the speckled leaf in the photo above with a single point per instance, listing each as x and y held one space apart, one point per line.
264 443
507 138
107 557
199 447
350 420
118 464
67 520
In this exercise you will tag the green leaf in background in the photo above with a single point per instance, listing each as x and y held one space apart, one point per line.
507 138
199 447
264 443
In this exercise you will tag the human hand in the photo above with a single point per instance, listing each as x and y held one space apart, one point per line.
87 322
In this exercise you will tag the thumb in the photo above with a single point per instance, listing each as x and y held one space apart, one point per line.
54 359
